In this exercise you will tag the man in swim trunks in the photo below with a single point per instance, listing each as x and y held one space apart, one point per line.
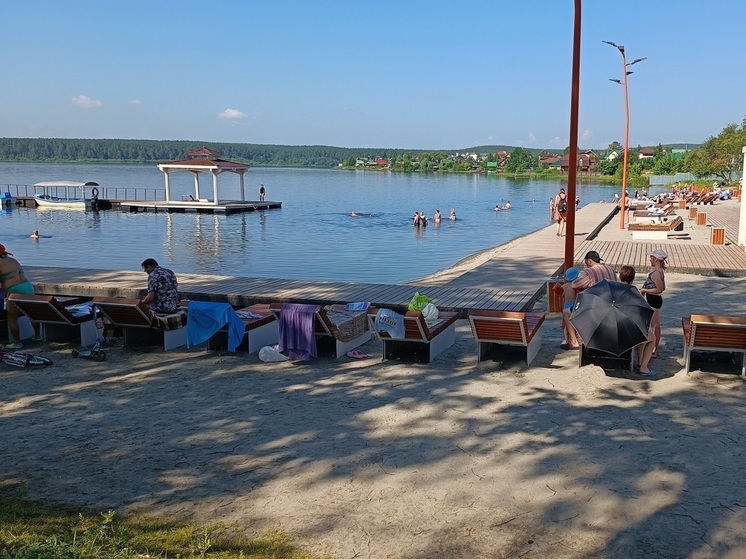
13 280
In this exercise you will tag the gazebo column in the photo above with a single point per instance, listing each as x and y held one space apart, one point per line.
215 187
196 186
168 185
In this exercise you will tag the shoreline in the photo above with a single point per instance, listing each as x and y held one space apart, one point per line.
469 263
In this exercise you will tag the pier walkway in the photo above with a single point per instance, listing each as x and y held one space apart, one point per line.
511 277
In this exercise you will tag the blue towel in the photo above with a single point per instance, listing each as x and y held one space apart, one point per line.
297 336
207 318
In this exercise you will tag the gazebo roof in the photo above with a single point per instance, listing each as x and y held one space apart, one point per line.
204 159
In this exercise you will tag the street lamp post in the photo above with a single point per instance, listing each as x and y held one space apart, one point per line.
625 158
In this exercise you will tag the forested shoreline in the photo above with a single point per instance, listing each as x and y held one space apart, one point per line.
152 151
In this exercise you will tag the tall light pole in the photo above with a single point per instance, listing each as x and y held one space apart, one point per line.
625 158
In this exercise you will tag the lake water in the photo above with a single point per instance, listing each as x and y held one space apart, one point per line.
312 237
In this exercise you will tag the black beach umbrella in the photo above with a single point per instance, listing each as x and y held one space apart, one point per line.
612 317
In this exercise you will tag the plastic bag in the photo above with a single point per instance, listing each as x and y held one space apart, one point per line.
270 354
431 314
419 302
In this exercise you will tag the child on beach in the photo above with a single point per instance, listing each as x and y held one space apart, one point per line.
645 349
570 336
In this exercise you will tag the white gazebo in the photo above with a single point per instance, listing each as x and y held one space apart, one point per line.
203 160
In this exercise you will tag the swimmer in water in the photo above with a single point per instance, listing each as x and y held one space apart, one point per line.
35 234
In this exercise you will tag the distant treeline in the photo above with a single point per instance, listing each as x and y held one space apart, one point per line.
150 151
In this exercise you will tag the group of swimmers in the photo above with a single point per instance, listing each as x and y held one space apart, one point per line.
420 219
506 206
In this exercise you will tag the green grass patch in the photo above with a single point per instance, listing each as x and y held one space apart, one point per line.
31 530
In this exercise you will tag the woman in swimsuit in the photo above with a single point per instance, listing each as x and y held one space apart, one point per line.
654 285
13 280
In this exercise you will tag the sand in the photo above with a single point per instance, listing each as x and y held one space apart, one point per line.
363 458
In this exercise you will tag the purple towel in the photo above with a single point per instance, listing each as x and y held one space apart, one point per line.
297 336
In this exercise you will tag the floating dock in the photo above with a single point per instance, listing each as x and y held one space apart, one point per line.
186 206
182 206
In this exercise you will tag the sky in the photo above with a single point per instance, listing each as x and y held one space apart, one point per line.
390 74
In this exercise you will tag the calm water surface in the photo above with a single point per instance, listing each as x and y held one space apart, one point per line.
312 237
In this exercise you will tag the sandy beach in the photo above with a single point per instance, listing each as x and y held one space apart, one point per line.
363 458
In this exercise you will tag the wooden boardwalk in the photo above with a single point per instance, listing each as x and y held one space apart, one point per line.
243 291
513 278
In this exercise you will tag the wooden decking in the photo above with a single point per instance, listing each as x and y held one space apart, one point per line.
513 279
243 291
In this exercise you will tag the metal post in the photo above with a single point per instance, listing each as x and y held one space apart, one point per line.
572 172
625 159
742 217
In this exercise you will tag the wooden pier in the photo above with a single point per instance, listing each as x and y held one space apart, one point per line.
513 278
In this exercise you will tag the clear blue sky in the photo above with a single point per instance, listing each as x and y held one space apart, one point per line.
400 74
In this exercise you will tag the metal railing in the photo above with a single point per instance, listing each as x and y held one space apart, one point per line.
104 192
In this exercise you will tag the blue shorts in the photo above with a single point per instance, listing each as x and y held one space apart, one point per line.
569 305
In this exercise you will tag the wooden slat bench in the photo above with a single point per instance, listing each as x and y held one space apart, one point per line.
433 339
58 317
506 328
139 324
348 329
714 333
655 231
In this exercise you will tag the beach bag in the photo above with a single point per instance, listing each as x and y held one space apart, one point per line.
419 302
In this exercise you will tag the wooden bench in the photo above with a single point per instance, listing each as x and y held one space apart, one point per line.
139 324
433 339
58 317
348 329
714 333
656 231
506 328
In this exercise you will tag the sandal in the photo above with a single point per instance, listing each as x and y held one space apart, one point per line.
15 345
356 354
650 373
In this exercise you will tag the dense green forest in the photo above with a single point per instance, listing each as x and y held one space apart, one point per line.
151 151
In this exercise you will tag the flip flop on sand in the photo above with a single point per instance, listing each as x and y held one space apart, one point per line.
356 354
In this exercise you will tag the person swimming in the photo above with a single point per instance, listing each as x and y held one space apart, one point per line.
35 234
507 205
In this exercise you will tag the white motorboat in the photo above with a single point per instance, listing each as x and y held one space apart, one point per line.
72 198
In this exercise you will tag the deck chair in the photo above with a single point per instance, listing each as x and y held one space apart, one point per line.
58 318
139 324
348 329
422 341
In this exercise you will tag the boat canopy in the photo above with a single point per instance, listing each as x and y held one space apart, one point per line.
52 184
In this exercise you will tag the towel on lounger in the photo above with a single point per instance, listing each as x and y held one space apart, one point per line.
297 334
207 318
391 322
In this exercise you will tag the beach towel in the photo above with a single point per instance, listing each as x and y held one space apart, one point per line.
207 318
390 322
297 335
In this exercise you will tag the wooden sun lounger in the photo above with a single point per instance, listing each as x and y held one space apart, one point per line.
714 333
656 231
433 339
348 329
58 318
262 329
138 323
506 328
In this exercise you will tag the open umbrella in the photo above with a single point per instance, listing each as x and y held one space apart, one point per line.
612 317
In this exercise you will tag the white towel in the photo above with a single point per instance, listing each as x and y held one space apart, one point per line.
390 322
